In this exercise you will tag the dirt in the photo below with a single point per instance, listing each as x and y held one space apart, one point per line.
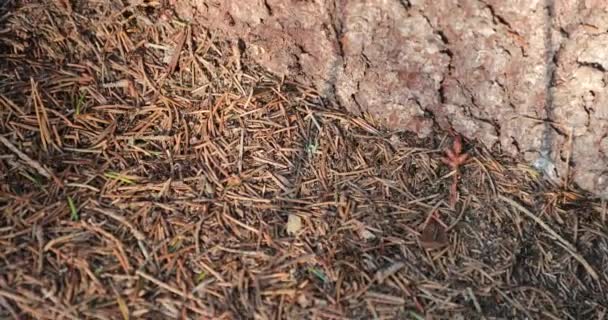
524 77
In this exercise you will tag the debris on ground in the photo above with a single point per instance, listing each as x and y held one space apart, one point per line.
148 171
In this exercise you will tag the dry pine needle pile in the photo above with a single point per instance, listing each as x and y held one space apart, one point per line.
149 170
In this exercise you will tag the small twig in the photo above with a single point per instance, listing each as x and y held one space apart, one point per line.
136 233
568 155
31 162
563 242
475 302
464 207
8 307
30 299
171 289
431 213
241 151
490 179
141 238
197 235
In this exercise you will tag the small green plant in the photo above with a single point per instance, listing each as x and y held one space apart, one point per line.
80 102
73 210
119 177
35 180
201 276
311 148
318 273
415 316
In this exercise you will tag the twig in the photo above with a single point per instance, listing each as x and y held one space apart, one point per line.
171 289
136 233
8 307
33 299
31 162
141 238
563 242
568 155
464 207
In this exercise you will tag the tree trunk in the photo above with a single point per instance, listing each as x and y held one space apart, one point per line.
528 77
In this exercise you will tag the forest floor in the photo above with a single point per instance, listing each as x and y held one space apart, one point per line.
149 170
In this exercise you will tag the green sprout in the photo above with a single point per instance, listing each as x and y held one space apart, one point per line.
80 102
119 177
73 210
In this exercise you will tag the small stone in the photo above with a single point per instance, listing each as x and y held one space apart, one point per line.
367 235
303 301
394 139
294 224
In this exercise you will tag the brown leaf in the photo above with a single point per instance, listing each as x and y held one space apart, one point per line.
433 236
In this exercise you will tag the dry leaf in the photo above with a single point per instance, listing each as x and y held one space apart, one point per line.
433 236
